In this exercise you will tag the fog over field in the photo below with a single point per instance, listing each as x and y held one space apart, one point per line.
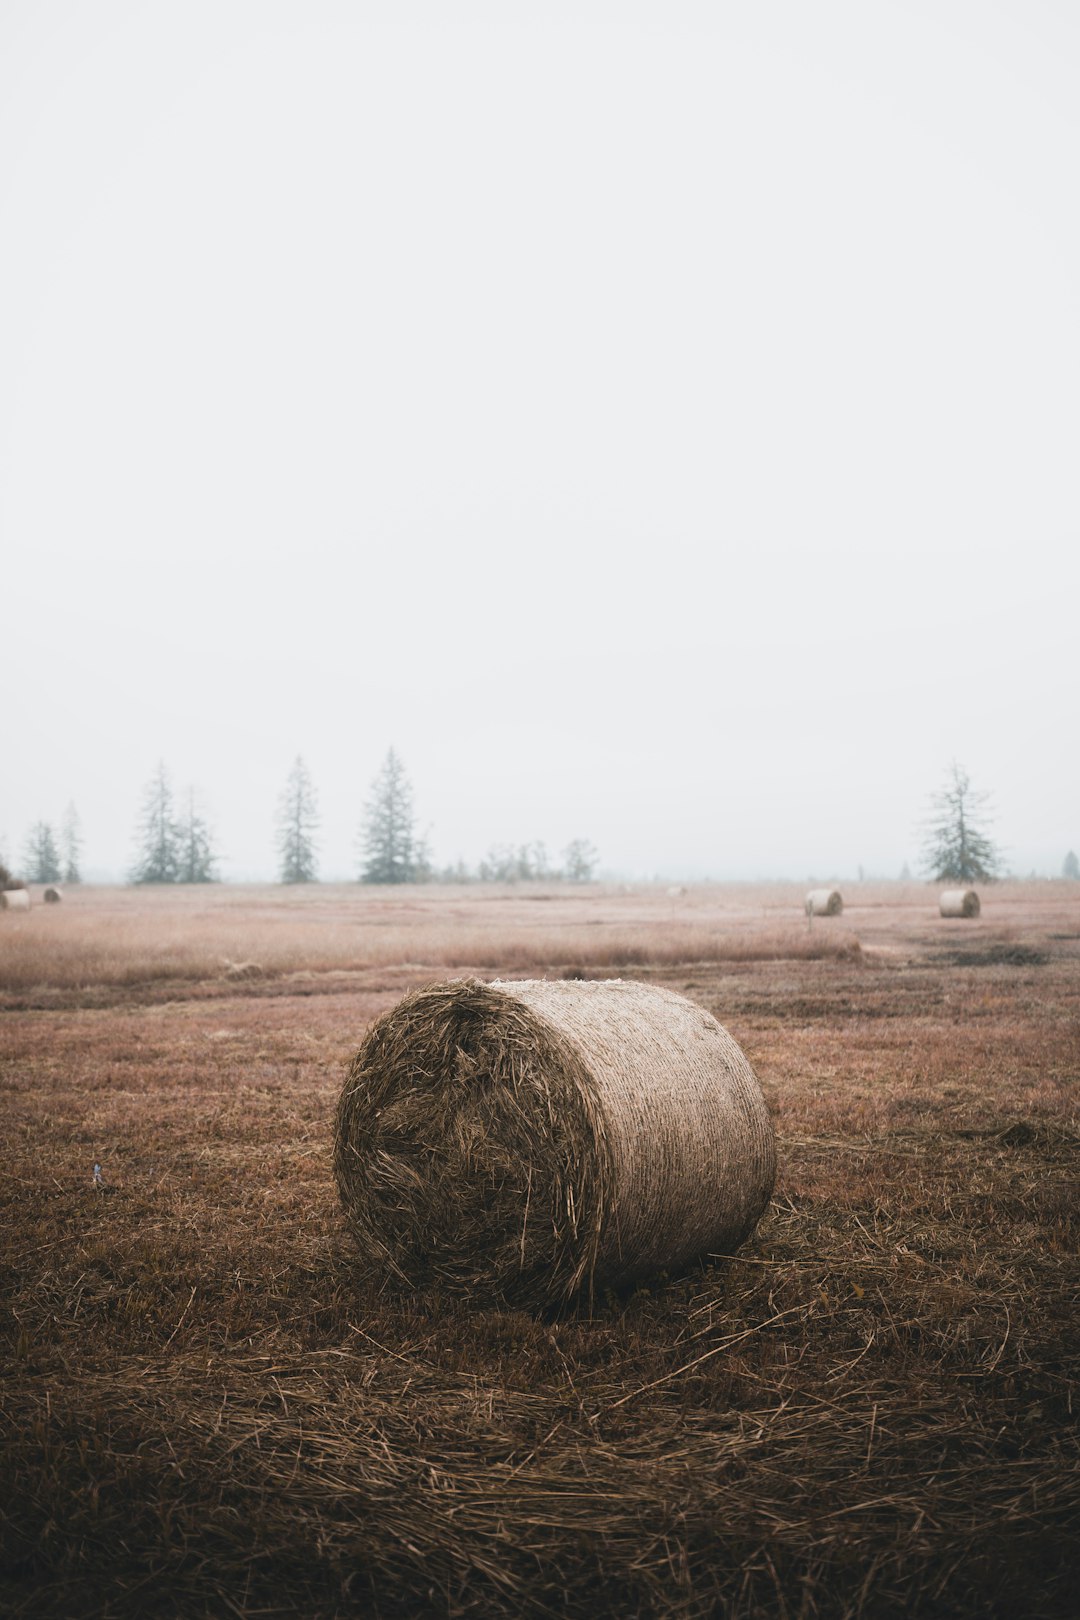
659 423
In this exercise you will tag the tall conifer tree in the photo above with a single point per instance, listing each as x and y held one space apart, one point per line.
157 836
196 859
297 822
388 844
71 845
957 847
41 858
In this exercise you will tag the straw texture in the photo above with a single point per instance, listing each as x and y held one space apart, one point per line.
14 900
960 903
824 903
517 1142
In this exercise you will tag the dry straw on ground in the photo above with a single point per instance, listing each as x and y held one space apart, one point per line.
14 900
824 903
870 1413
524 1140
960 903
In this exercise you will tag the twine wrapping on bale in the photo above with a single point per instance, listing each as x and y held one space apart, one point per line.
517 1142
824 903
14 900
960 903
52 896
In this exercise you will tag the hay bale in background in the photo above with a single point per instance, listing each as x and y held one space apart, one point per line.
52 896
960 903
520 1141
824 903
14 900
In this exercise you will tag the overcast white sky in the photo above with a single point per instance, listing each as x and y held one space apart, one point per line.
659 421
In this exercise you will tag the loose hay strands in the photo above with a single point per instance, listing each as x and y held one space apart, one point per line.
518 1142
960 903
824 903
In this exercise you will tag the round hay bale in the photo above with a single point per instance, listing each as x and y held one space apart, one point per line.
518 1142
824 903
960 903
52 896
14 900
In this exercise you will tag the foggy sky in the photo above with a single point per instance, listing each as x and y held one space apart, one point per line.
659 422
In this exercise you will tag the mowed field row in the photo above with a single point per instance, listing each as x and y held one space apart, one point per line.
141 936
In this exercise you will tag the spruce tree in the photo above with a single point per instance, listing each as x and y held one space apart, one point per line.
157 835
41 858
957 847
71 842
297 821
388 835
196 860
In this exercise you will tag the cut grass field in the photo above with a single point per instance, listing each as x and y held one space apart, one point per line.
147 937
871 1410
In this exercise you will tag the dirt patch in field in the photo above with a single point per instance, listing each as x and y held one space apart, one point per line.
998 955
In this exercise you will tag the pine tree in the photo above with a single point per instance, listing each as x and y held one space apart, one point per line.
957 847
157 836
388 836
579 860
297 821
1071 868
196 860
71 841
41 858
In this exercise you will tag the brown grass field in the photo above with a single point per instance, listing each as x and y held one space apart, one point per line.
871 1410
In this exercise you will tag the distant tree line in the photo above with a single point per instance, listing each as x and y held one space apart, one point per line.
529 863
392 851
178 846
175 842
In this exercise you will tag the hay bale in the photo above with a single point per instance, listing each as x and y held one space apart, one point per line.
518 1142
960 903
824 903
14 900
52 896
